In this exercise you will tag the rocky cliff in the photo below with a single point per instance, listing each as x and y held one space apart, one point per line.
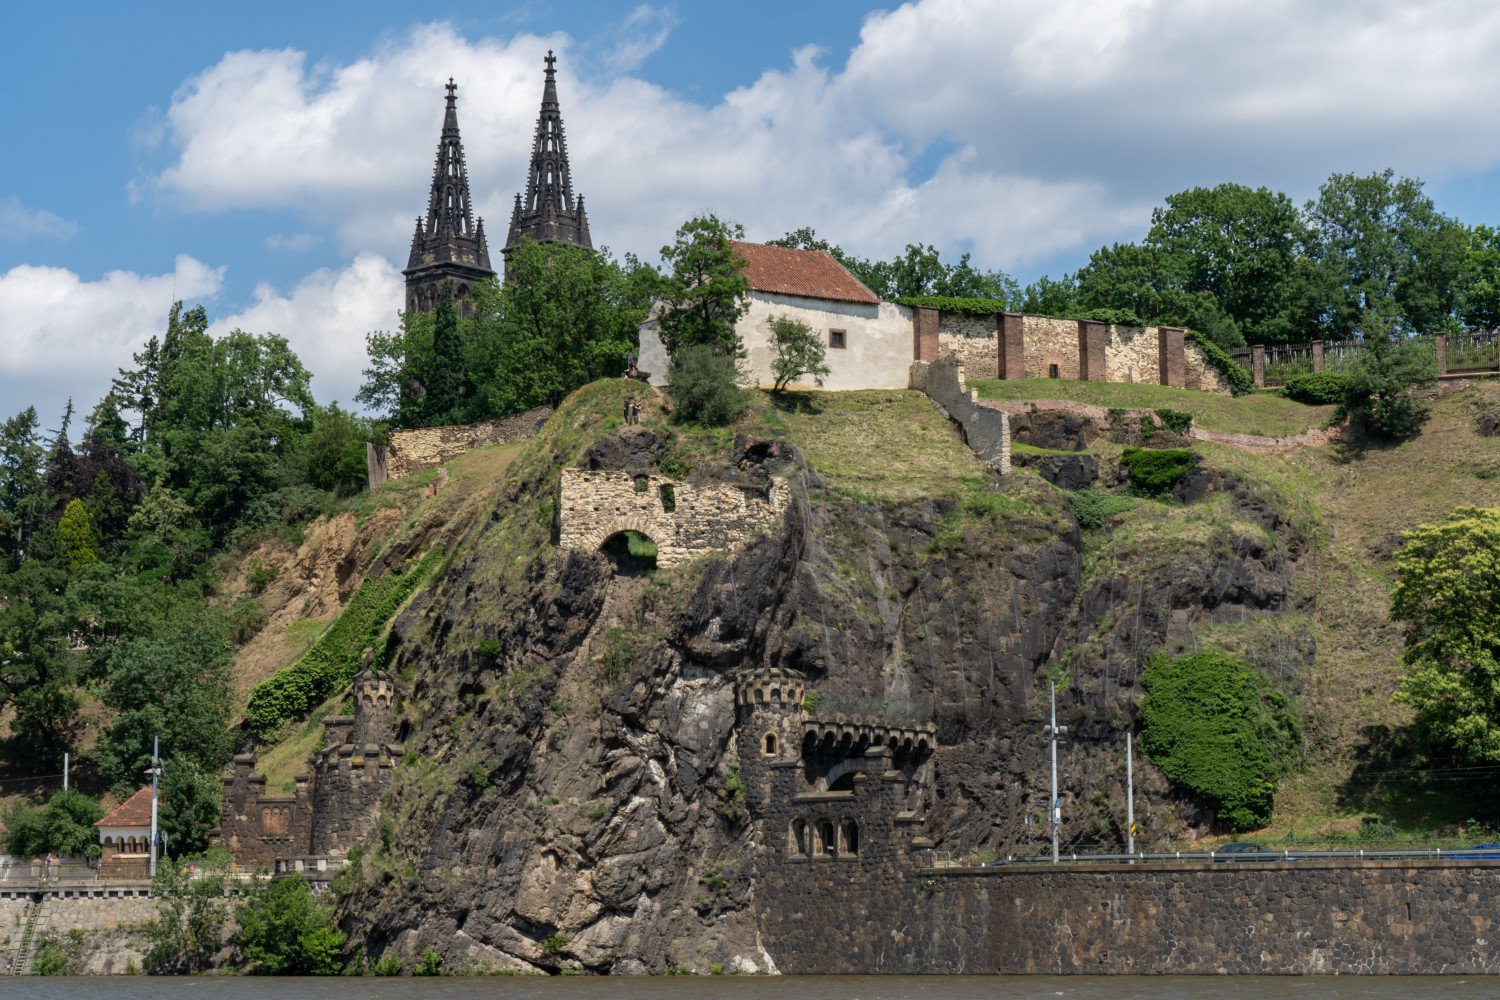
571 796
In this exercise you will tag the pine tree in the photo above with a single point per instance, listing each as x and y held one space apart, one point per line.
76 532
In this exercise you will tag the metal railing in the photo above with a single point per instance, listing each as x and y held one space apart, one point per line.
1491 855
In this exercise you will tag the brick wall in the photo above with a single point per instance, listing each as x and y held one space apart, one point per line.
715 517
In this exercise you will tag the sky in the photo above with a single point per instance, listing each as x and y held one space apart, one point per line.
268 160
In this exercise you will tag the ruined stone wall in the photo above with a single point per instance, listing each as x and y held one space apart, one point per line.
986 430
1301 918
410 452
715 517
1050 342
972 340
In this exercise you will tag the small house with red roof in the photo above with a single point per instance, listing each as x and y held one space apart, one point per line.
125 838
869 343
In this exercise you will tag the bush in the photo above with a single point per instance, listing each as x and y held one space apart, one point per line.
1240 381
1094 509
1176 421
430 964
1317 388
284 931
64 826
1222 730
246 619
1154 471
1379 392
704 386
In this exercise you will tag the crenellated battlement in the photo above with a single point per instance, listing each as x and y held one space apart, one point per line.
770 687
854 733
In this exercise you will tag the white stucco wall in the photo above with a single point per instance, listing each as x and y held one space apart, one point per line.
878 339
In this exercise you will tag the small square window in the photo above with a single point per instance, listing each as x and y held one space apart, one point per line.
836 338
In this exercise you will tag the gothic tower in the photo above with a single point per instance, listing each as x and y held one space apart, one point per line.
549 213
450 247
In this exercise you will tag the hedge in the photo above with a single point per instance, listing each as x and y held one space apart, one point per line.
333 661
1317 388
950 304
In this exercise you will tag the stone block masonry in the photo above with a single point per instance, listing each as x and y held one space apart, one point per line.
986 430
410 452
684 520
972 340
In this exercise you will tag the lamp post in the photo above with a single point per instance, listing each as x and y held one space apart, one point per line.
155 772
1054 732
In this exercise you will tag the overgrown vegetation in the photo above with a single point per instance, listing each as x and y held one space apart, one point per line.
335 657
285 931
1222 730
64 826
1094 509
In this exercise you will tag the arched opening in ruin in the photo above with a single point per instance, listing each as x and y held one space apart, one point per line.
798 838
849 836
769 745
632 553
827 844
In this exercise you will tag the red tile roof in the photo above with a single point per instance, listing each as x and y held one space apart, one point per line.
810 274
134 811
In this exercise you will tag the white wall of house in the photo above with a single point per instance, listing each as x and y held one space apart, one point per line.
877 351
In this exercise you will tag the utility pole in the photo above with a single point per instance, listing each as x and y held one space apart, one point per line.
1129 795
65 770
1054 731
155 772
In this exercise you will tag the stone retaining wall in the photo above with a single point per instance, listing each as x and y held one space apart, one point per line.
716 517
986 430
1298 918
410 452
110 929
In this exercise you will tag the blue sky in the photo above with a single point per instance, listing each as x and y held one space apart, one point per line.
267 159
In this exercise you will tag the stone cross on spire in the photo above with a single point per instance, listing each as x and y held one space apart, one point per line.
449 246
549 213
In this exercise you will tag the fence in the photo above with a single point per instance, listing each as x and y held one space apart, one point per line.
1490 855
1272 365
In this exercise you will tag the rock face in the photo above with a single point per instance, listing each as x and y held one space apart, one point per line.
1069 472
573 795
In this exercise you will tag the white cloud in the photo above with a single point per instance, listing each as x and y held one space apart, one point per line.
67 336
644 31
325 319
17 222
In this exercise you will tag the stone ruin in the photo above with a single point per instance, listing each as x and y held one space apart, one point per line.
332 807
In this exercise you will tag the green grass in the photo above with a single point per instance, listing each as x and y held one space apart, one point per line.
887 445
1261 413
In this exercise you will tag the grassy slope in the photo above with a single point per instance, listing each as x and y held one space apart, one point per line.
1262 413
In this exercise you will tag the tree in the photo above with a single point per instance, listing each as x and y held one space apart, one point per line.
703 384
1383 248
1245 247
284 931
796 351
64 826
36 675
333 453
1220 729
191 914
1378 392
564 317
1479 302
1447 595
76 533
705 291
190 799
392 382
444 379
23 499
918 271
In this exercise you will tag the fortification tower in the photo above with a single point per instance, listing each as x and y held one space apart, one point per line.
549 213
450 246
768 714
350 777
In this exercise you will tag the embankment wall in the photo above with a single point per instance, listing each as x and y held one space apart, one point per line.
1298 918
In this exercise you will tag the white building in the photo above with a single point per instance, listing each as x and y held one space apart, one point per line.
871 344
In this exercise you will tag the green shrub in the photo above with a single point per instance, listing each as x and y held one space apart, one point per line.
553 944
1154 471
952 304
1176 421
246 619
388 965
335 658
675 468
1094 509
704 386
285 931
1221 729
431 964
1317 388
259 575
1240 381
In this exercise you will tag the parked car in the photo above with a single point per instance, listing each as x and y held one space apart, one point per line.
1248 850
1493 856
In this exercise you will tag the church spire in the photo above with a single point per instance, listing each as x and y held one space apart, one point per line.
449 246
549 213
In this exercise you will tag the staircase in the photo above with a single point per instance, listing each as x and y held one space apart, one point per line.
25 950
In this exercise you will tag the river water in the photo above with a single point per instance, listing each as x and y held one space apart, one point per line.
762 988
